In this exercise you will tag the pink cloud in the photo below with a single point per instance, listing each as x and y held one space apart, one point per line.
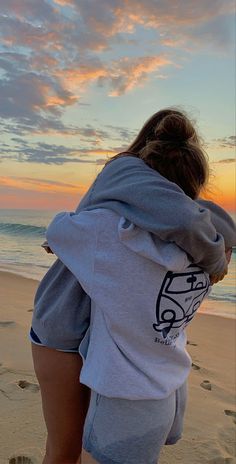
128 74
121 75
110 18
17 32
54 55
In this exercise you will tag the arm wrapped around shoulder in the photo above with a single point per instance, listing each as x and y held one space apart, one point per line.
207 245
132 189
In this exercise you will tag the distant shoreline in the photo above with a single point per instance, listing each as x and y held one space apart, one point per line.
32 272
210 306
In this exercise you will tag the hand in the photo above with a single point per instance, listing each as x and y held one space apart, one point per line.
214 278
47 247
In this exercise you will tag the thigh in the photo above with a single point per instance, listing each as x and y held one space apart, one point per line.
121 431
64 400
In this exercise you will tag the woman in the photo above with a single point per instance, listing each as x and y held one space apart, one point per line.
144 292
155 192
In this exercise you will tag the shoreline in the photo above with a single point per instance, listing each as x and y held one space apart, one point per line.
210 306
23 270
13 272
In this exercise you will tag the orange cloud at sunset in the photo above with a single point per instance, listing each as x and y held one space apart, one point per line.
129 73
39 194
74 78
63 2
56 100
31 36
49 99
101 152
40 185
39 200
122 75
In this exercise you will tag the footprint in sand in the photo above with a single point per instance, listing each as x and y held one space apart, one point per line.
21 460
230 413
195 367
221 460
206 385
6 323
25 385
191 343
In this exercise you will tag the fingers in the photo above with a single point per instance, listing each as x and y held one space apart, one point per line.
214 278
47 247
48 250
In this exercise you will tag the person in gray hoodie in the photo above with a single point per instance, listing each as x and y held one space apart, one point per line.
144 293
153 176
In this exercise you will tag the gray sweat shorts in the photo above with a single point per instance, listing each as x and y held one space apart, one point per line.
120 431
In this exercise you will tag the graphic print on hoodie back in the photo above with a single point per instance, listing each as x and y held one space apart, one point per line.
178 299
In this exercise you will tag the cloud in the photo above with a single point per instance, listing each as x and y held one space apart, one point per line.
40 10
39 185
36 102
44 153
49 182
93 25
226 161
37 93
53 52
45 194
189 21
17 32
227 142
130 73
121 75
36 125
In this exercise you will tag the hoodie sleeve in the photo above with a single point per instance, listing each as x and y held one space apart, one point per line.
133 190
72 238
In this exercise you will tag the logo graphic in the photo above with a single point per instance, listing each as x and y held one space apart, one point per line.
179 298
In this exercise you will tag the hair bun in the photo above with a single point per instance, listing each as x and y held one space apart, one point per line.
175 128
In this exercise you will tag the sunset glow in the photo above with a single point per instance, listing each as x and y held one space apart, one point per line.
79 79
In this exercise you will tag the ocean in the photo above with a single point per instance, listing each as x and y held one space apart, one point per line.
23 231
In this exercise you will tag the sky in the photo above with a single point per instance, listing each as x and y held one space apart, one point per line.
78 79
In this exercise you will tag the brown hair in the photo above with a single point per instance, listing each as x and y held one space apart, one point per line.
168 143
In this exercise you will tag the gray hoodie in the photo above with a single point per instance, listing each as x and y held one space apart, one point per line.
143 291
130 188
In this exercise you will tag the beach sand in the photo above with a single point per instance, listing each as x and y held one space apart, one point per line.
209 435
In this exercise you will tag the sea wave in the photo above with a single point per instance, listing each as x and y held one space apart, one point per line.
22 229
223 297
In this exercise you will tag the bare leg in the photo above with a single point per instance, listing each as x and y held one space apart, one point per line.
65 403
